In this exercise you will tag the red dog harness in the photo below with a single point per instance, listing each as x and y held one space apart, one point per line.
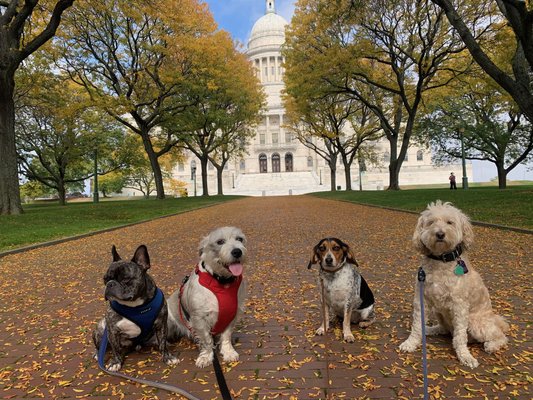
226 294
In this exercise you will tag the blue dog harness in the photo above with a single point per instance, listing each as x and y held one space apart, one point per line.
144 315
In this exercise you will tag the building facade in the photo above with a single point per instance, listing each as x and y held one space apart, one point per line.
277 163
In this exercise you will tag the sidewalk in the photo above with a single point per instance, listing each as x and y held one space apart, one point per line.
51 298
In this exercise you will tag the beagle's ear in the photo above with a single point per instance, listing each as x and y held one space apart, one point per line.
348 254
315 257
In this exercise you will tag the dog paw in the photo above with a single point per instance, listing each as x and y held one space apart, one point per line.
365 324
171 360
408 346
230 355
114 366
204 360
469 361
348 337
495 345
319 331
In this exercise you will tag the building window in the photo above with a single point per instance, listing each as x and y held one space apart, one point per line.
309 161
242 165
406 156
288 162
266 72
275 137
262 163
210 166
181 167
261 137
386 156
419 155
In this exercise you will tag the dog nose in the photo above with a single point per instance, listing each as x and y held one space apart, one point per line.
236 253
440 235
329 260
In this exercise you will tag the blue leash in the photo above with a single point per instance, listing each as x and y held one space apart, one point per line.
421 280
164 386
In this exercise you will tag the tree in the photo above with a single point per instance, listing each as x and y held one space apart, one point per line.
134 58
317 125
513 74
488 122
24 28
111 183
33 189
387 55
57 134
227 99
138 173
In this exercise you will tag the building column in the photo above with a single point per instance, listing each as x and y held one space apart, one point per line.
268 136
282 138
276 64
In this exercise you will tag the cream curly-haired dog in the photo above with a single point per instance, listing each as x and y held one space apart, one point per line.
454 292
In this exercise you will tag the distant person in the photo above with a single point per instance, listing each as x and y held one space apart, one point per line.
452 181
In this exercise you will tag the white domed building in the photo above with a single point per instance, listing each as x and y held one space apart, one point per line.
277 163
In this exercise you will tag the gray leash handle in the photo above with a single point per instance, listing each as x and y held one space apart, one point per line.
421 280
159 385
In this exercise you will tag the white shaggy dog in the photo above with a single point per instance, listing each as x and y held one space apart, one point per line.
210 301
453 292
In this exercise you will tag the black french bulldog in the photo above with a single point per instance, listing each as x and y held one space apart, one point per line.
137 310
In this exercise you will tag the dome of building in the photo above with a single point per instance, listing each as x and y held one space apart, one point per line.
268 31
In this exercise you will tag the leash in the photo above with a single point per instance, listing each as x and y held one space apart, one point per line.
159 385
221 381
325 337
421 280
184 317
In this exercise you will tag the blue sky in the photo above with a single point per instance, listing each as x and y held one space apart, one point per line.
238 17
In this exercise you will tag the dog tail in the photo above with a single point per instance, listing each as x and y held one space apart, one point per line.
502 323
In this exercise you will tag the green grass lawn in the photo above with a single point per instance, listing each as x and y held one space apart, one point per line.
46 221
510 207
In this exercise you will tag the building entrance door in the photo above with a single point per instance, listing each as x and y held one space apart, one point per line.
262 163
275 163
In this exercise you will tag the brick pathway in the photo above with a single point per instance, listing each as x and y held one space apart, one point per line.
51 297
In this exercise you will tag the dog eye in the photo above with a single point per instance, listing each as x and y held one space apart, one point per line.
220 242
450 222
322 248
240 239
336 248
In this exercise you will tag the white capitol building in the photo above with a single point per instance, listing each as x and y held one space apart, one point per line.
277 163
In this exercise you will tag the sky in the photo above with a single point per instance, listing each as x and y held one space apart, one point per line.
238 17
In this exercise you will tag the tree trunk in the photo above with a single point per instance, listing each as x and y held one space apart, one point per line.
61 192
9 183
333 175
154 162
348 176
203 164
394 176
220 170
502 176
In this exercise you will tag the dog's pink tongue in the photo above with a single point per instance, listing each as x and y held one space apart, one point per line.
236 269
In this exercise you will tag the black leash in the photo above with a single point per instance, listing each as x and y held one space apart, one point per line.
164 386
221 381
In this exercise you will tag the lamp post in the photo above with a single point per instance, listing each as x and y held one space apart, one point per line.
321 176
95 179
233 180
465 177
193 175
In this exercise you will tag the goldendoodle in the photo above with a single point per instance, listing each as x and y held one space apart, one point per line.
454 292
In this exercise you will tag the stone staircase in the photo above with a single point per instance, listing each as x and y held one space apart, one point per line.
277 184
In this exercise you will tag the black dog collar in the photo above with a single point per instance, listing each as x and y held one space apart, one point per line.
447 257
